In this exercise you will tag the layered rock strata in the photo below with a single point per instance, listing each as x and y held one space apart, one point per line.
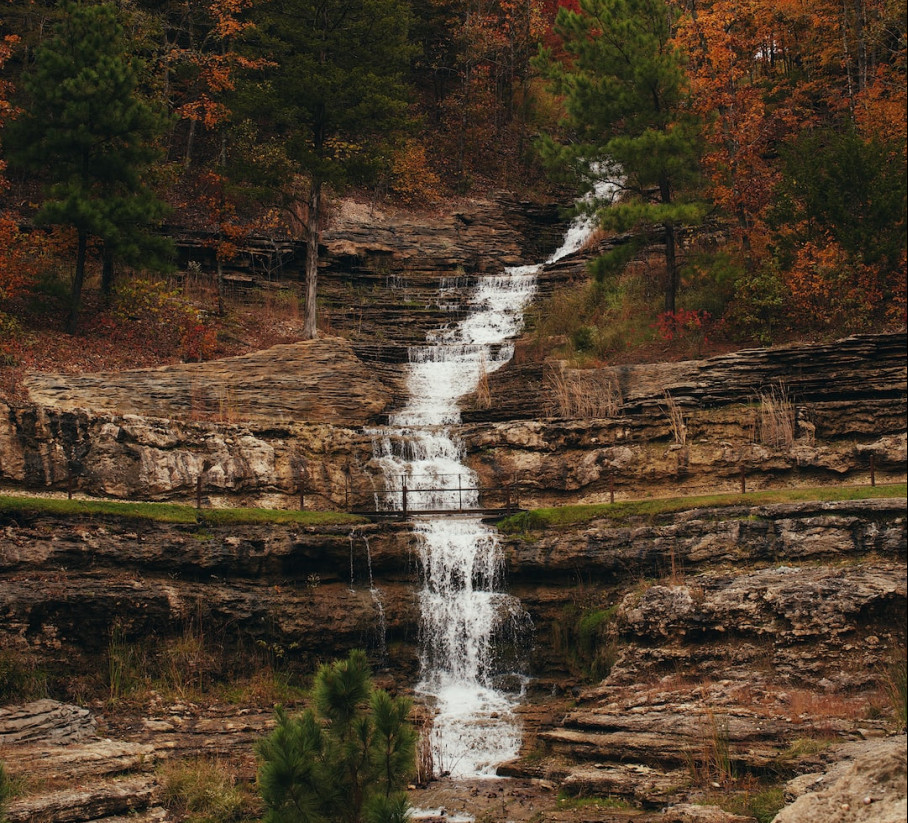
274 424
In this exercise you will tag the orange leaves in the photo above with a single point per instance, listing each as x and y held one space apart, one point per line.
412 179
18 259
226 14
214 64
831 289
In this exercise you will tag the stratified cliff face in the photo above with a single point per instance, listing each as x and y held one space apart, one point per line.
796 415
295 415
65 583
795 588
763 630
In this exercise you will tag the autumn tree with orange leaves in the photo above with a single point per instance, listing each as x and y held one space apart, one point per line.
802 109
19 253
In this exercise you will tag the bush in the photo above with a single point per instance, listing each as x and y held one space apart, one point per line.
20 678
346 759
200 791
159 317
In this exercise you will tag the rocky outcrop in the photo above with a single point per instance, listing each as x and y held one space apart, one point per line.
869 787
658 429
713 538
493 233
47 721
71 589
815 591
146 458
855 370
316 381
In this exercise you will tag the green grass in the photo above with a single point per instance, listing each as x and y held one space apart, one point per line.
568 801
537 519
169 512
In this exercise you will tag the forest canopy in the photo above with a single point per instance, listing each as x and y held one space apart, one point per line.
778 129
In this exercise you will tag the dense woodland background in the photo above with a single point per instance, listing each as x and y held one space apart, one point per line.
762 148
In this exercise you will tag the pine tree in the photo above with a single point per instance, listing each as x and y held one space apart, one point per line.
625 99
88 132
332 97
346 759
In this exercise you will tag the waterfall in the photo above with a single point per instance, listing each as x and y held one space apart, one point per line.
465 615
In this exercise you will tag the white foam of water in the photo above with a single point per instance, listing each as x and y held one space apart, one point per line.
462 607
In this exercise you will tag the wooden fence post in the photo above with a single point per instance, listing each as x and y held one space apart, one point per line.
404 498
872 469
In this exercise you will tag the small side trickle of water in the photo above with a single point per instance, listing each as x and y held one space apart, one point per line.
467 620
381 641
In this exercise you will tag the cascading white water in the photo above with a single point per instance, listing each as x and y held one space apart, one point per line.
463 609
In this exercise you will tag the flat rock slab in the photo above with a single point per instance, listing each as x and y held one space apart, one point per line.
77 761
45 721
872 788
318 380
100 802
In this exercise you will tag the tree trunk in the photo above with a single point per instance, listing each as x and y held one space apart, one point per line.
310 329
671 261
76 297
671 267
107 273
222 290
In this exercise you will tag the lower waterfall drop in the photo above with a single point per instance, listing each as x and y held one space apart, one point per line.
466 618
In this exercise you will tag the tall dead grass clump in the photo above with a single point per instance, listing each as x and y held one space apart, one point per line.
712 761
675 419
579 394
202 790
425 759
776 420
483 394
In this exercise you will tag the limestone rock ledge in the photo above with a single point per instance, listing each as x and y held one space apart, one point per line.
315 381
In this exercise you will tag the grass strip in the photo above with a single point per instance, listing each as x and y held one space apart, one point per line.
538 519
169 512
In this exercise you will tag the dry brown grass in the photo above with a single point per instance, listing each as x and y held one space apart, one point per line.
483 394
581 394
676 419
803 704
776 420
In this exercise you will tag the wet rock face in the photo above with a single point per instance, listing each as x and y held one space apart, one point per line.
65 587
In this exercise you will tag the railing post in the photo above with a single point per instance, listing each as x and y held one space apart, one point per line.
611 487
459 494
743 481
404 498
872 469
69 484
302 496
198 492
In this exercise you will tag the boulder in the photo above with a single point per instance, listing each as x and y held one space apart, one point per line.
871 788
